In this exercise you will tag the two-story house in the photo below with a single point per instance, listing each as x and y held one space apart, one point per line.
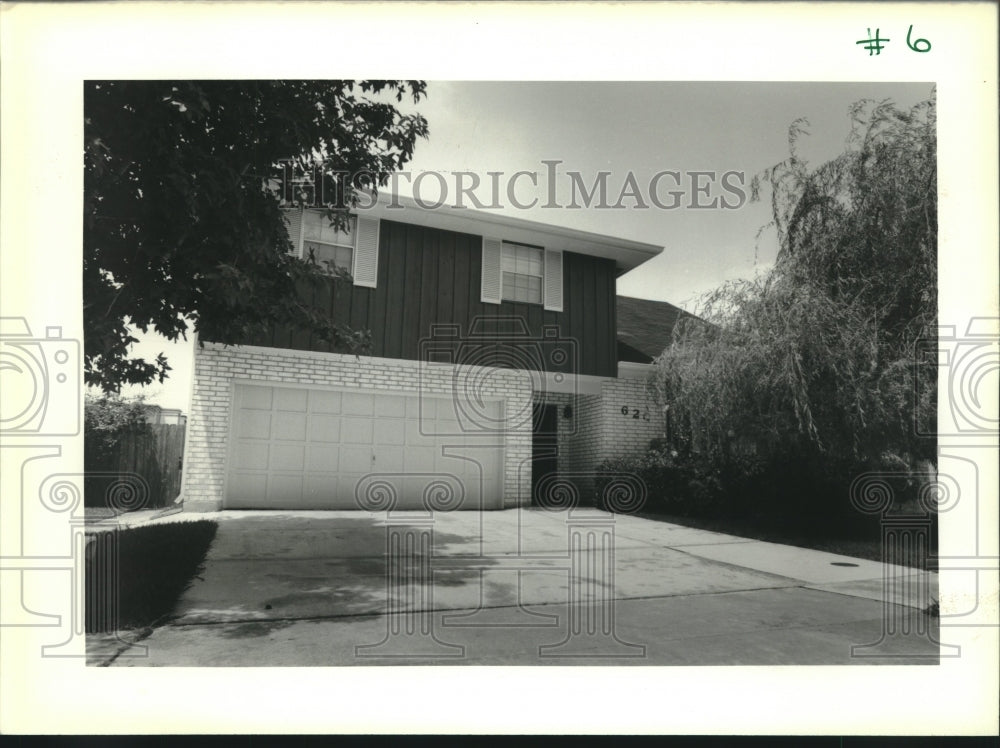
494 365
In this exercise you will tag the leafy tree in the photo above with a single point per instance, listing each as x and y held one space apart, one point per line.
813 363
182 221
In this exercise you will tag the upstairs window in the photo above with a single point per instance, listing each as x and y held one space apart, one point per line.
329 247
354 250
523 272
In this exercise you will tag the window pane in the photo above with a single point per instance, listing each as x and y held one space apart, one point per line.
330 235
522 273
316 227
339 257
311 225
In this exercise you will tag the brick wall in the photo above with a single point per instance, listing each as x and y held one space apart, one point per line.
627 434
217 366
587 442
598 429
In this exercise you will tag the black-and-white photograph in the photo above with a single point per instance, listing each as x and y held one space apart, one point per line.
638 375
466 375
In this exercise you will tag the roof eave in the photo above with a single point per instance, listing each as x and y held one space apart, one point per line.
627 254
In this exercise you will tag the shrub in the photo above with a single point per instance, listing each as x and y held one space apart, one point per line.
155 563
674 482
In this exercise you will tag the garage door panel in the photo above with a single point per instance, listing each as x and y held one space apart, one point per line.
321 487
321 501
250 487
444 410
412 433
324 427
302 448
357 430
287 457
389 431
291 399
412 491
320 458
324 401
252 455
288 426
472 488
356 459
390 406
254 425
388 459
358 404
445 464
284 488
255 397
347 483
478 461
418 459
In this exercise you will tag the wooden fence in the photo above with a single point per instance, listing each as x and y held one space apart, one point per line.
154 453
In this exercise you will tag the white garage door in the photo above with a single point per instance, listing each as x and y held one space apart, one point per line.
335 449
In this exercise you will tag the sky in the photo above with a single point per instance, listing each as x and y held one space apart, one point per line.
637 128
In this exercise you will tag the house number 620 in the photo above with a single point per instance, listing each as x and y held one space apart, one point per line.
634 413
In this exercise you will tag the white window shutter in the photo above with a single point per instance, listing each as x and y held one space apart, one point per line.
294 222
554 280
365 269
491 276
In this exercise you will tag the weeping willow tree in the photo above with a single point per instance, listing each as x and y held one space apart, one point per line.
814 360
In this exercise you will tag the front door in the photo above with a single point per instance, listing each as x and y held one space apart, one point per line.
544 448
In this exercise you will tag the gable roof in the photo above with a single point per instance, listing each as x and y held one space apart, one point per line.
645 327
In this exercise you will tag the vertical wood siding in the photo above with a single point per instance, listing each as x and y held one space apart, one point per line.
428 276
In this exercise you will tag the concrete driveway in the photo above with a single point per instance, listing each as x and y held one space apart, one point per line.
526 587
